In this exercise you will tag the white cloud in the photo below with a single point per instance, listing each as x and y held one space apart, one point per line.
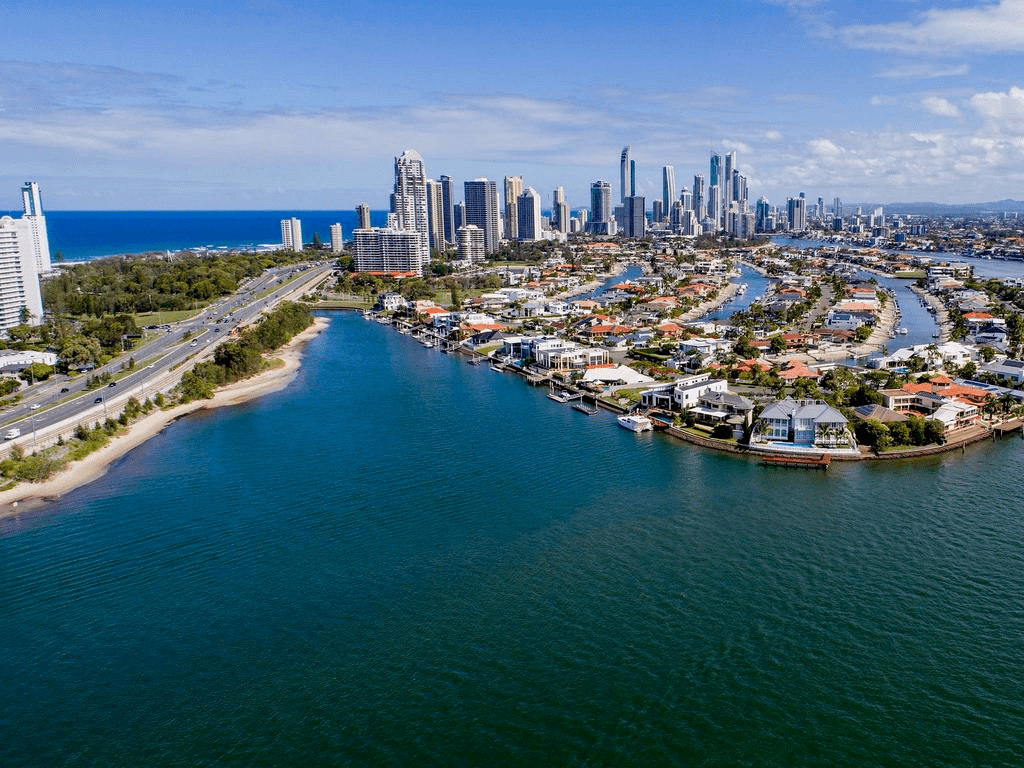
824 148
989 27
924 72
773 135
882 101
1003 113
939 106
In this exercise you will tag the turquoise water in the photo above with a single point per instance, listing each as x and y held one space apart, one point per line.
406 560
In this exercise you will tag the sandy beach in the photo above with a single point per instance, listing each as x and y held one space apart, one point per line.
28 495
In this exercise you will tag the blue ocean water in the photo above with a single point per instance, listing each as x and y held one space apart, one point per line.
406 560
84 235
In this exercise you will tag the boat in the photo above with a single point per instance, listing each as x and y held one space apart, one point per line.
635 422
427 343
902 331
742 289
562 395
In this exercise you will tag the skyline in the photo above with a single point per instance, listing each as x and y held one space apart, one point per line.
306 107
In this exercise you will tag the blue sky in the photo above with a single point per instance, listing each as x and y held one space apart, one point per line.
303 105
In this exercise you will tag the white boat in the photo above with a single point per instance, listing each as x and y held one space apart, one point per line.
562 396
902 331
635 422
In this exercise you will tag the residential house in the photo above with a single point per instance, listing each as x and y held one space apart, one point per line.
804 423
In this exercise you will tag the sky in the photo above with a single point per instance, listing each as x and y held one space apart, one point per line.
276 104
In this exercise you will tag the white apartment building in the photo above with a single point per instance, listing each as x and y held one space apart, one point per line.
19 275
389 251
291 234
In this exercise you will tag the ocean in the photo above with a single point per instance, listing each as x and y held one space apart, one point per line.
85 235
403 559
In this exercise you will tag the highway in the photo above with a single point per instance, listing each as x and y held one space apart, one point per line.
57 405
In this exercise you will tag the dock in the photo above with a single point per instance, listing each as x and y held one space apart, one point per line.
797 462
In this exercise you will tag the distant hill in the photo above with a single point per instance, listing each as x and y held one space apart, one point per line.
944 209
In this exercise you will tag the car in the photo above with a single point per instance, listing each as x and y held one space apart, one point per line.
34 407
112 384
98 400
64 389
12 433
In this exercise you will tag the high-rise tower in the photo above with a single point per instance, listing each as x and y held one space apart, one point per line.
482 210
435 221
448 208
409 200
627 173
513 189
600 207
33 209
668 187
528 208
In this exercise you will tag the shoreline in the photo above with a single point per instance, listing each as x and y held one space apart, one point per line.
28 496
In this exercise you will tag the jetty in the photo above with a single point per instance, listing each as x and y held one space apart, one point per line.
797 462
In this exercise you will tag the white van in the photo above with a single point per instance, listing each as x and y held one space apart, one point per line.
10 434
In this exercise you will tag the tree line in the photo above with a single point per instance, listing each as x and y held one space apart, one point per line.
243 357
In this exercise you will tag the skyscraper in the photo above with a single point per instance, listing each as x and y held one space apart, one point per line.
699 197
668 187
336 239
21 241
627 173
435 222
557 201
291 234
36 222
730 168
482 210
796 207
513 189
448 208
600 208
528 208
635 217
363 214
409 201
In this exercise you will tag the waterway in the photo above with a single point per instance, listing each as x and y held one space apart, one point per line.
983 268
403 559
757 288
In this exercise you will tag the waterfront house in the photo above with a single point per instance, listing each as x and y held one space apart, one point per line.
804 423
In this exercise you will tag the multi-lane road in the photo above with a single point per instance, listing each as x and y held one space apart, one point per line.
55 406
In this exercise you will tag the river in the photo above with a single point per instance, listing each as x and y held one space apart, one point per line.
403 559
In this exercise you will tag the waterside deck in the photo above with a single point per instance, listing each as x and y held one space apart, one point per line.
797 462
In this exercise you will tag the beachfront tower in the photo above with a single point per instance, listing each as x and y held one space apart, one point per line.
36 222
337 243
363 216
19 278
291 234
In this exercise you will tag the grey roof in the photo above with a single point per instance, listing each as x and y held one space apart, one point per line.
879 412
731 399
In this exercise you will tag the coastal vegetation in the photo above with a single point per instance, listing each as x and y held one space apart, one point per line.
243 357
37 466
